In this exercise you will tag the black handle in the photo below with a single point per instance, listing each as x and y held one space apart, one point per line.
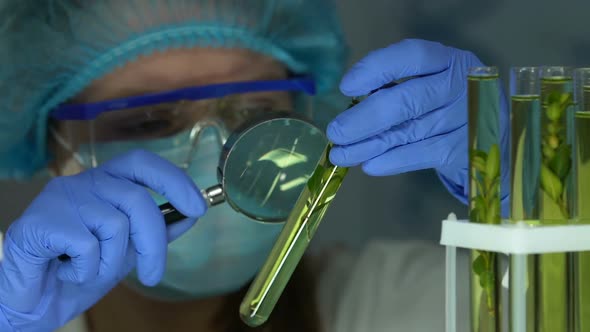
385 86
171 216
394 83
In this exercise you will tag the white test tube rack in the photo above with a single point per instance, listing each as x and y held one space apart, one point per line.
516 239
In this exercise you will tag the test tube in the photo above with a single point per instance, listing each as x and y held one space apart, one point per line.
298 231
525 147
483 97
556 128
581 196
552 275
581 155
525 162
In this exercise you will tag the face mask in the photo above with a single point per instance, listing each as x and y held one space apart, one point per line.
222 252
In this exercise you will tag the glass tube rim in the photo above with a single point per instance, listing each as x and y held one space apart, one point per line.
483 71
525 82
515 68
550 72
582 73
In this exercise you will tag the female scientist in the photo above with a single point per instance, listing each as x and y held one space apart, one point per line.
89 94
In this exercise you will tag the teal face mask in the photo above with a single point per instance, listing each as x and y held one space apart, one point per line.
222 252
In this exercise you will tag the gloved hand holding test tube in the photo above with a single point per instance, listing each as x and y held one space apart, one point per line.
295 237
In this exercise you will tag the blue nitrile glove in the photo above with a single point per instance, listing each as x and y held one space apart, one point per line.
106 221
419 124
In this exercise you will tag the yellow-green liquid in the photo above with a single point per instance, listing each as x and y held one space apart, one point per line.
525 156
551 278
557 293
524 174
298 231
550 211
557 297
581 158
484 195
581 185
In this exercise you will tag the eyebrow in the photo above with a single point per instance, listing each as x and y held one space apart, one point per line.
140 90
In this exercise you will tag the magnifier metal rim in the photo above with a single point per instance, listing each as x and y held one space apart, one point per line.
237 135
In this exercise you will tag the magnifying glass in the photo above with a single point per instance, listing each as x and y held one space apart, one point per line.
263 167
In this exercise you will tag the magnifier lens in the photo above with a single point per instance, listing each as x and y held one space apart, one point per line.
268 165
264 168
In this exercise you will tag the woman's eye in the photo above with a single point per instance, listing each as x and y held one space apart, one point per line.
149 128
258 105
266 102
150 122
151 125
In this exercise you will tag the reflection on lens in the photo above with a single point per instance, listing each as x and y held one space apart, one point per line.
269 164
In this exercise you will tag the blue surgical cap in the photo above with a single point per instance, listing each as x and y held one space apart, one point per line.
52 49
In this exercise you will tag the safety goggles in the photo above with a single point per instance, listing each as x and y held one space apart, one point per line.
172 120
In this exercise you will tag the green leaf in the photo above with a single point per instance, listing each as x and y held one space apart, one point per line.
319 208
482 281
491 279
561 163
550 183
553 112
494 188
482 215
474 215
479 154
316 178
564 206
480 205
314 182
553 141
548 152
565 99
331 188
494 211
493 163
553 128
327 187
553 97
486 280
480 189
479 265
479 164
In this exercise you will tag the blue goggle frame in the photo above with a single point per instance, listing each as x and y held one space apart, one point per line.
90 111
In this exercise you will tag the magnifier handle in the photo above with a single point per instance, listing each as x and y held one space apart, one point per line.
394 83
171 215
213 196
